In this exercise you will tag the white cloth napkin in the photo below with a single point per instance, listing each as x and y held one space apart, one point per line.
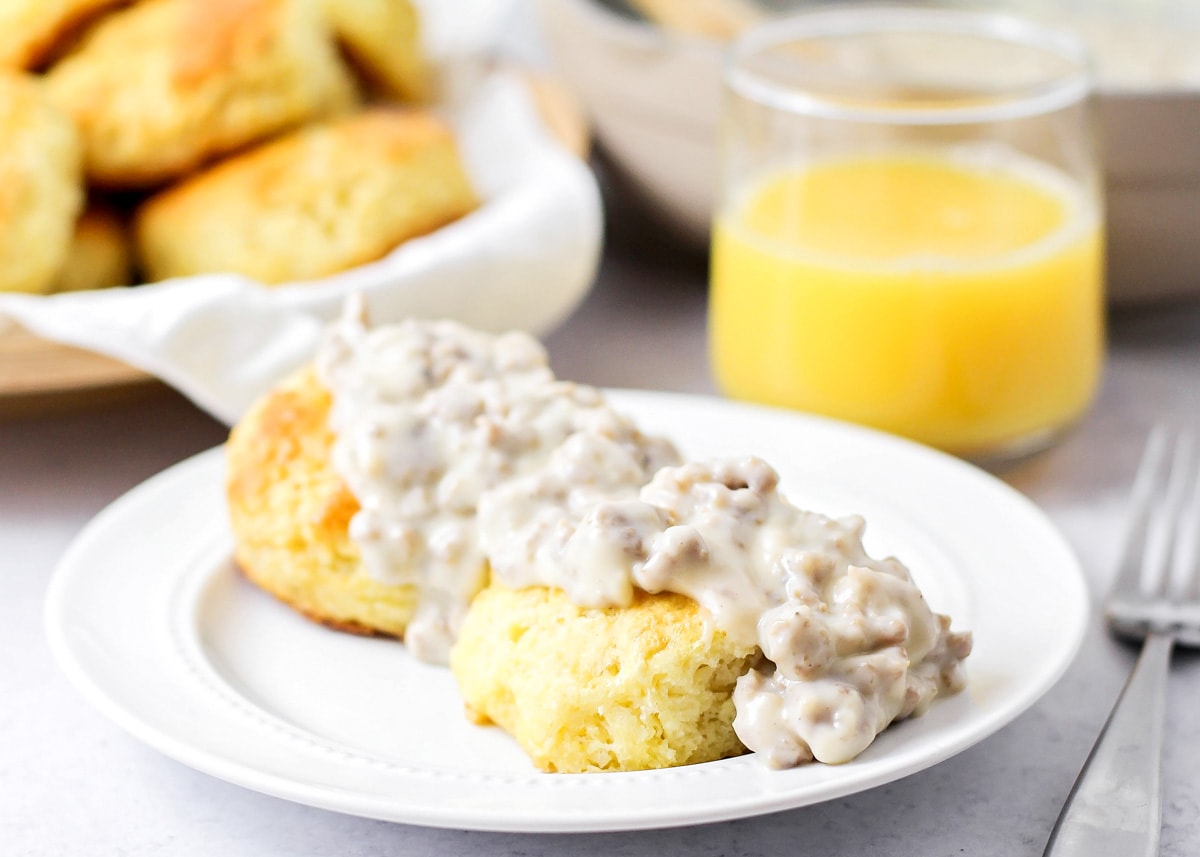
523 260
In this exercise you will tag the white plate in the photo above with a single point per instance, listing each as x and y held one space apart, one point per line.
148 617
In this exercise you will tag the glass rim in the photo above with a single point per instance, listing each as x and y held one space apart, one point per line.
1053 94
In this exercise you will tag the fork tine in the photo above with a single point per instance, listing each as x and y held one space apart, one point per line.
1128 577
1190 579
1163 579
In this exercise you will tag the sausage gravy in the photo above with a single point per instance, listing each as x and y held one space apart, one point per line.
849 642
465 452
430 416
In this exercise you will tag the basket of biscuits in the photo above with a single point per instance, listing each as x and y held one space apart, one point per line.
191 187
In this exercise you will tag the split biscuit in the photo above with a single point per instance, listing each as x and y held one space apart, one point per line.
290 514
33 31
318 201
600 689
580 689
164 86
382 39
100 256
41 189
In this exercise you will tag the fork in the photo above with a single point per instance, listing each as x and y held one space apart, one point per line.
1115 806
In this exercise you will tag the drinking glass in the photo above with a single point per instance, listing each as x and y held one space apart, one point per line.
909 226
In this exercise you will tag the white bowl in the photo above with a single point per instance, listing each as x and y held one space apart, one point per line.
653 98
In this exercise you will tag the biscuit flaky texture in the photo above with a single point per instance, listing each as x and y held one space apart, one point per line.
600 689
162 87
320 200
41 191
100 255
31 31
383 40
290 514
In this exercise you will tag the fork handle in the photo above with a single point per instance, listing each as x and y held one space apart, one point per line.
1115 806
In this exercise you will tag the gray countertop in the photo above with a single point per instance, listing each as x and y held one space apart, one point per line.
73 783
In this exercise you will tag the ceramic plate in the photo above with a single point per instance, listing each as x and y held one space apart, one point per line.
150 619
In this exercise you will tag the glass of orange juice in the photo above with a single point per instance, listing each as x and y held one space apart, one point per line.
908 230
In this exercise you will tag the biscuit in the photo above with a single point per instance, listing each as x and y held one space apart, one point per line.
100 254
600 689
41 190
382 39
290 512
164 86
32 31
321 200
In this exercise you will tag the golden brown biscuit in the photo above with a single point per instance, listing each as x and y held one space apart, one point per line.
100 253
290 513
600 689
164 86
382 38
40 186
31 31
321 200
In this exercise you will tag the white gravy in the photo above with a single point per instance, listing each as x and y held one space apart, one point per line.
849 642
428 417
464 451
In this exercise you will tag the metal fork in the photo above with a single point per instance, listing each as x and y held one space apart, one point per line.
1115 806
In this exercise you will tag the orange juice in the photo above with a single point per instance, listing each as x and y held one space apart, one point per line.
955 300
